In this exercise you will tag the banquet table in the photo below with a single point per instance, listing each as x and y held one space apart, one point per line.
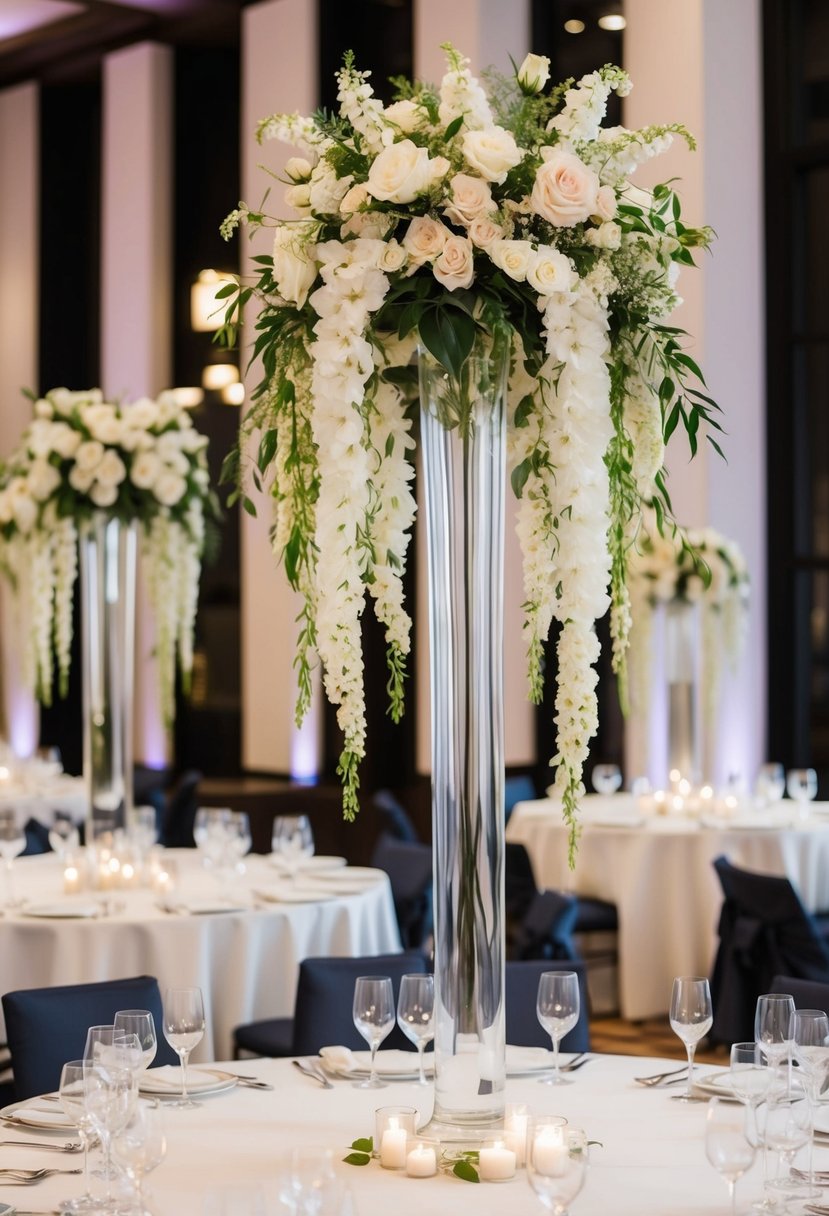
657 871
650 1159
244 960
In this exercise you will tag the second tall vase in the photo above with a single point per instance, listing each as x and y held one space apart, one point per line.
463 431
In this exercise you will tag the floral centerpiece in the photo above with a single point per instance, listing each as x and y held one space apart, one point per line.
81 455
462 219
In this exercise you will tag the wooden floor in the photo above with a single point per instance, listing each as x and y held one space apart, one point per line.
652 1037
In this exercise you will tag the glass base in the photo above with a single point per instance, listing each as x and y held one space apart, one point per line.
555 1080
376 1084
181 1104
84 1203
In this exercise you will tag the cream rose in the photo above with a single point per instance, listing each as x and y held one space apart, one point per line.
549 271
534 73
454 268
353 199
513 257
565 190
425 239
103 495
43 479
298 169
89 455
294 270
145 470
169 489
298 196
483 231
407 116
492 152
400 173
606 203
471 197
65 440
392 257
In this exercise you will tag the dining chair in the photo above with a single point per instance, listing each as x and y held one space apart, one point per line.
45 1027
396 819
546 931
522 1025
180 813
409 867
808 994
764 931
322 1011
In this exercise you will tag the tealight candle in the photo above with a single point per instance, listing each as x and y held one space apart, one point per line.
421 1158
393 1127
71 880
515 1130
496 1163
550 1152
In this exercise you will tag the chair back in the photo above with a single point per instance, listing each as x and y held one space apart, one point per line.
808 994
520 886
37 838
45 1027
325 997
409 867
180 815
522 1024
547 929
520 788
764 931
396 818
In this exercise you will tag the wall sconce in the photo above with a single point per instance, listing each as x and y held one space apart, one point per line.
234 394
206 312
189 397
217 376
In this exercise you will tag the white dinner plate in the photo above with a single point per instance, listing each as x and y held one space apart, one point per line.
351 874
165 1082
396 1065
318 862
201 907
717 1084
822 1119
40 1115
294 895
62 911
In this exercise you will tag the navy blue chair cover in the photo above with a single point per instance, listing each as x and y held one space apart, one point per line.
45 1027
517 789
520 887
37 838
522 1024
547 929
808 994
409 867
322 1013
764 931
395 817
180 815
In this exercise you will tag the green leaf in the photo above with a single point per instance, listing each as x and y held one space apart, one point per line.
249 506
463 1169
671 422
687 361
519 475
267 450
229 289
364 1145
523 410
453 128
448 334
357 1159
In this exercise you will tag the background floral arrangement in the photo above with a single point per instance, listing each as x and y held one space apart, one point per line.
457 217
143 461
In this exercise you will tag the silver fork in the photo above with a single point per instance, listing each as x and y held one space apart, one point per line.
309 1070
577 1062
658 1077
32 1175
74 1146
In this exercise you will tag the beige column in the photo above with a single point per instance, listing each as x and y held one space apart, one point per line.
19 260
136 282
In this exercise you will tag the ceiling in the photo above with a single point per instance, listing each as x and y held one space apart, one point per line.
59 41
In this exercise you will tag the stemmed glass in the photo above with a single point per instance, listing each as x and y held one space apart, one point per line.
811 1049
110 1093
557 1159
691 1017
139 1022
307 1182
557 1007
788 1128
183 1029
606 778
63 835
774 1025
801 786
374 1017
727 1145
770 785
416 1013
210 829
750 1080
138 1147
73 1101
12 843
292 840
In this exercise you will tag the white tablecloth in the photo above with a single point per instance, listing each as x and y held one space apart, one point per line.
245 962
37 798
660 877
650 1162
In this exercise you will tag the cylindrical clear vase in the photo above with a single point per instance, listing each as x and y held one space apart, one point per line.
681 635
463 436
108 550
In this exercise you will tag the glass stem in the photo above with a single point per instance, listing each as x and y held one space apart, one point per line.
732 1195
107 1147
10 881
85 1144
556 1060
691 1048
373 1076
185 1056
421 1047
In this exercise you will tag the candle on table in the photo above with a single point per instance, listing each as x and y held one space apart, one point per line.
71 880
515 1131
550 1152
496 1163
421 1159
393 1146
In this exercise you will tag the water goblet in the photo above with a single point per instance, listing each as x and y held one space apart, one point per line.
727 1145
770 785
12 843
801 786
138 1147
606 778
142 831
307 1182
64 837
183 1028
210 828
373 1012
750 1080
557 1006
811 1051
240 839
72 1099
139 1022
774 1026
292 840
110 1094
416 1014
691 1017
557 1159
787 1129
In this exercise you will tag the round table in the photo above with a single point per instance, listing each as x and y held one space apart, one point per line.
245 960
657 871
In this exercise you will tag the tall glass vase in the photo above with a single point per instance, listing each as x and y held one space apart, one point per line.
681 635
463 445
108 559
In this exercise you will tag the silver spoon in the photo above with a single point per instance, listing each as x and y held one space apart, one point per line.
306 1069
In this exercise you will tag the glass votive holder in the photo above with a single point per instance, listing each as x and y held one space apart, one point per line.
422 1157
72 877
548 1147
165 879
394 1126
516 1120
557 1158
496 1162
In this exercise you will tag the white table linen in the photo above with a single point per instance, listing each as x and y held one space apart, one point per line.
650 1161
35 797
659 875
245 962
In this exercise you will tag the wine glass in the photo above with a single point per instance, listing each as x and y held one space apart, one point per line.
12 843
139 1022
183 1029
374 1017
142 832
787 1129
801 785
557 1159
606 778
557 1006
416 1013
691 1017
138 1147
811 1049
774 1025
727 1146
73 1101
292 840
307 1182
210 828
64 837
750 1079
240 838
110 1093
770 785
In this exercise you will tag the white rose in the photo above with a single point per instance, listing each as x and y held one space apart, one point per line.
81 479
112 470
493 152
373 225
325 189
42 479
169 444
550 271
454 268
606 203
294 269
39 437
103 495
425 239
400 173
513 257
193 441
169 489
298 169
145 470
141 414
392 257
65 440
24 511
438 168
565 190
298 196
354 198
483 231
606 236
534 73
407 116
43 409
471 197
89 455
